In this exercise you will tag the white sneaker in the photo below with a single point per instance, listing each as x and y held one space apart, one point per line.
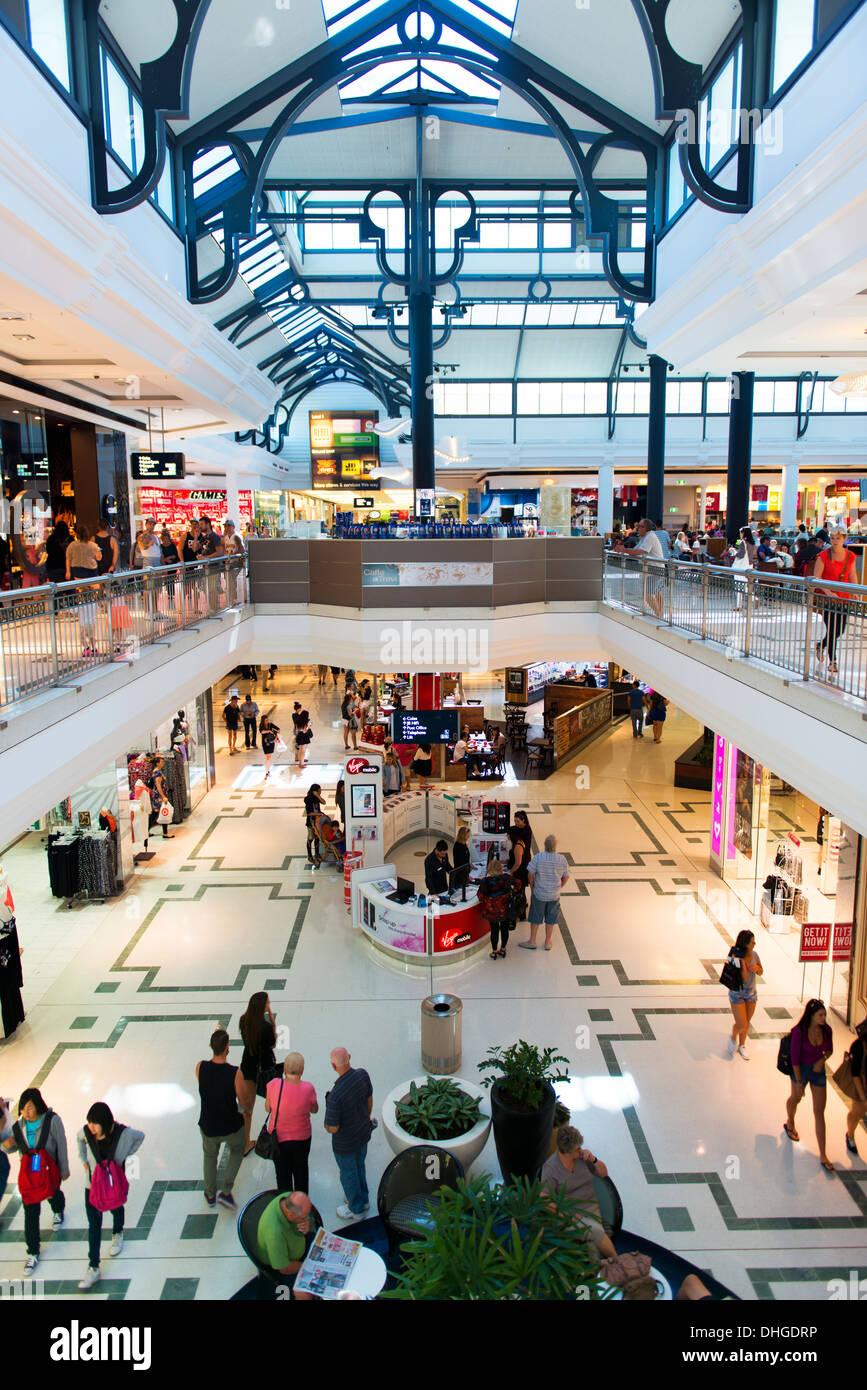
116 1244
58 1220
731 1047
743 1052
346 1213
30 1264
91 1277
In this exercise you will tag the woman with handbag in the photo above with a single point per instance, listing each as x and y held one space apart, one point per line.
104 1147
811 1046
160 798
303 734
744 960
269 733
291 1101
851 1077
349 715
494 891
258 1064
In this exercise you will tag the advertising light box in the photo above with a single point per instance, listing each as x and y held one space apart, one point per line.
424 726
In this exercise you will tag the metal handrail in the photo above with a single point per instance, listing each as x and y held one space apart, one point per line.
790 621
55 632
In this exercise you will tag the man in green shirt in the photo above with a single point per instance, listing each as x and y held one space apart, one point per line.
281 1233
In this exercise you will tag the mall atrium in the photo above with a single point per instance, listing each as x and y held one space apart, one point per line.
475 390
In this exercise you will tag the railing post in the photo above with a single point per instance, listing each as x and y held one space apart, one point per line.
670 590
749 617
643 564
52 622
808 634
622 559
182 587
704 584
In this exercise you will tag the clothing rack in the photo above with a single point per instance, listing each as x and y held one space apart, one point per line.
82 865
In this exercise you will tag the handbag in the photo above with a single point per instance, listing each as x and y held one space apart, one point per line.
268 1145
731 975
619 1270
165 814
844 1078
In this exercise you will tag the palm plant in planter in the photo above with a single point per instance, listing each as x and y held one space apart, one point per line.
483 1241
437 1110
522 1104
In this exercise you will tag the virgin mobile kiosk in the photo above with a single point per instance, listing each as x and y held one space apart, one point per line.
362 775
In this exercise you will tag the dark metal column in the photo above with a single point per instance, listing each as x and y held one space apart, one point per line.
656 439
421 354
740 452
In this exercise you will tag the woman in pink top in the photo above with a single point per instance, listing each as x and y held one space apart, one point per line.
812 1045
291 1102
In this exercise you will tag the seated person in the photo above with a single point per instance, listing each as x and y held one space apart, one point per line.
331 834
590 680
281 1236
437 869
459 754
572 1170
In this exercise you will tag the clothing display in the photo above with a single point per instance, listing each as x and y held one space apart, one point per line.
11 978
174 771
140 769
82 861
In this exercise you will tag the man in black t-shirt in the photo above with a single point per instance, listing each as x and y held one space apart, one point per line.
436 868
220 1120
347 1118
232 720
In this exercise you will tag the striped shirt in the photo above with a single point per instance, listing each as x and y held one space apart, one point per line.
346 1107
547 870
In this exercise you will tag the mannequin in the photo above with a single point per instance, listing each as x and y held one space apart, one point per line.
141 809
11 978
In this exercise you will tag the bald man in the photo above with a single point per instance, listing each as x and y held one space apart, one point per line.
283 1235
347 1118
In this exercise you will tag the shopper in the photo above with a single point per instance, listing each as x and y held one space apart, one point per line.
104 1147
160 796
636 710
518 861
571 1170
322 672
268 677
340 801
189 543
493 898
82 562
232 542
335 673
350 718
743 1001
347 1119
292 1101
55 552
745 557
522 825
221 1092
422 763
303 734
835 563
268 735
232 721
169 548
811 1045
649 545
5 1136
259 1035
282 1236
858 1086
40 1139
461 858
249 713
147 553
656 715
313 803
547 873
392 774
109 551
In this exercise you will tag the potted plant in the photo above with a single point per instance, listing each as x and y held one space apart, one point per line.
485 1241
522 1104
562 1116
447 1111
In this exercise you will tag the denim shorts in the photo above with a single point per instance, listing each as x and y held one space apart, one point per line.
743 996
543 912
812 1078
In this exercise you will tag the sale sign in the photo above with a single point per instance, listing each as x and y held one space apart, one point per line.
842 942
815 941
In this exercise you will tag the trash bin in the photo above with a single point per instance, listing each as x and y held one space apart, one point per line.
441 1033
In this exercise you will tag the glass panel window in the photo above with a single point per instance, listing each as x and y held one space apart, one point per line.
720 124
137 134
596 398
117 103
455 398
690 397
785 397
501 398
528 398
573 397
163 192
719 396
763 398
677 190
478 398
510 315
48 36
793 38
557 236
550 398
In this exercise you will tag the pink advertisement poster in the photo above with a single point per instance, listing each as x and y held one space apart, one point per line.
718 798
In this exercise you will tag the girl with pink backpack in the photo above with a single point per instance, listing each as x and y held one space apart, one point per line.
104 1147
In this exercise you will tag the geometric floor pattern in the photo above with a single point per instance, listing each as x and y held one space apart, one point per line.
121 1001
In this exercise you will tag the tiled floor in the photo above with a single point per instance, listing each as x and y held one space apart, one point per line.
122 999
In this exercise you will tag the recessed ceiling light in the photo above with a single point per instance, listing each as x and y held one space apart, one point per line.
23 337
13 318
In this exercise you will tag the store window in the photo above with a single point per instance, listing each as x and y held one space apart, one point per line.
793 37
42 25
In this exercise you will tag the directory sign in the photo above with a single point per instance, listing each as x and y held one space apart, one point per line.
424 726
344 449
149 468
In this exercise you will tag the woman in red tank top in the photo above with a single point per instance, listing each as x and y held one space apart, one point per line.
835 563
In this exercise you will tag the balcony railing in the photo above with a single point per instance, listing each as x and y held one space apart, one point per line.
56 632
797 625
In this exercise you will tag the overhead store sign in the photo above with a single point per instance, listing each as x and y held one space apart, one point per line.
176 506
157 467
344 450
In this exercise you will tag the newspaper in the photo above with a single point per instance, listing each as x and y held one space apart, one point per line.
328 1266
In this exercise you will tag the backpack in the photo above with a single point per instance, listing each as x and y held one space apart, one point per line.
39 1175
109 1186
494 908
784 1055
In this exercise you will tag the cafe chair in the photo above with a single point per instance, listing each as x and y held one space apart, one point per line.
406 1187
535 756
610 1206
517 737
248 1226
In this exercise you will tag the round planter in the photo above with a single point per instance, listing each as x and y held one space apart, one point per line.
466 1148
522 1137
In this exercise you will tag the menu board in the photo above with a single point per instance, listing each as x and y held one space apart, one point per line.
344 448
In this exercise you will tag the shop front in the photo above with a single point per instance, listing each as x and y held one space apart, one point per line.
176 507
797 868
